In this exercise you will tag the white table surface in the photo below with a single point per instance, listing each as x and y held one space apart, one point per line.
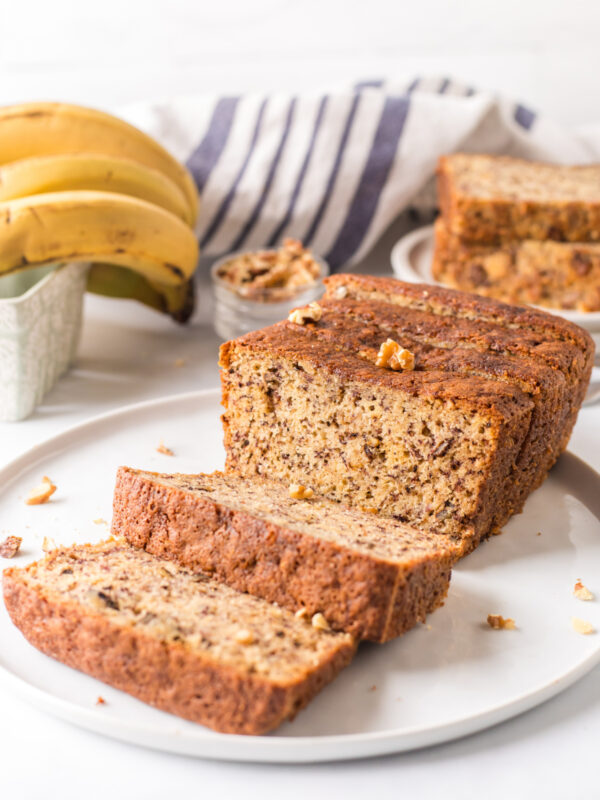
544 52
128 354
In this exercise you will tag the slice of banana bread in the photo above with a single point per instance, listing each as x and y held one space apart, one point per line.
455 444
493 199
173 638
551 274
368 575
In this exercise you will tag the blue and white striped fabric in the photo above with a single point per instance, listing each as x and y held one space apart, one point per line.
334 170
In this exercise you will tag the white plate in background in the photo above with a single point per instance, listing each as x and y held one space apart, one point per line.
443 680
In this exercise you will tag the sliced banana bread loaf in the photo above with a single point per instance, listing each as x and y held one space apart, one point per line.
552 274
367 575
494 199
456 444
173 638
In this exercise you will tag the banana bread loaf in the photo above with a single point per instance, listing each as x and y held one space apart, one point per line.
368 575
551 274
495 199
456 444
173 638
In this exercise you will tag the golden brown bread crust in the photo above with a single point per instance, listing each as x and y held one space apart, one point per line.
526 335
515 330
459 305
504 212
167 676
441 347
551 274
467 348
507 408
363 595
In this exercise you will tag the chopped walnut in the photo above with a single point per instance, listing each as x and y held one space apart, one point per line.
271 275
48 544
581 592
10 546
392 356
42 493
299 492
310 313
301 613
341 292
582 626
499 623
319 622
244 636
162 448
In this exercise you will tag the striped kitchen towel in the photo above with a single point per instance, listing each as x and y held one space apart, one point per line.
334 170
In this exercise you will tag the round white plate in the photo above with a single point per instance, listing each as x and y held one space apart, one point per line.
442 680
412 257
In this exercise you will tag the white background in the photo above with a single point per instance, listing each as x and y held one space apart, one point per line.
542 52
107 52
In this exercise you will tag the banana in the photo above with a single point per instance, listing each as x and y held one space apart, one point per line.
97 226
112 281
43 174
33 129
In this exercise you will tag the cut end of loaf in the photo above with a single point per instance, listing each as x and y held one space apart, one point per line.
369 575
100 607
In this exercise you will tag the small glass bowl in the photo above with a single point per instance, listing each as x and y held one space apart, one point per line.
235 315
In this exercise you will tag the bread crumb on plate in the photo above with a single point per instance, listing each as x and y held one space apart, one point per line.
10 546
500 623
42 493
581 592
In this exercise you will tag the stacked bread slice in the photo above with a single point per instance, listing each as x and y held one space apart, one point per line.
520 231
353 484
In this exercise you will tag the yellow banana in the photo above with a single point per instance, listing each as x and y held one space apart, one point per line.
43 174
35 129
112 281
97 226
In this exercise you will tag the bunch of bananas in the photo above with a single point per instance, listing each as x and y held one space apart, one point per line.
80 185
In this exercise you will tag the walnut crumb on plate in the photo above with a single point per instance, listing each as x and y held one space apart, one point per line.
499 623
42 493
162 448
10 546
582 626
581 592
